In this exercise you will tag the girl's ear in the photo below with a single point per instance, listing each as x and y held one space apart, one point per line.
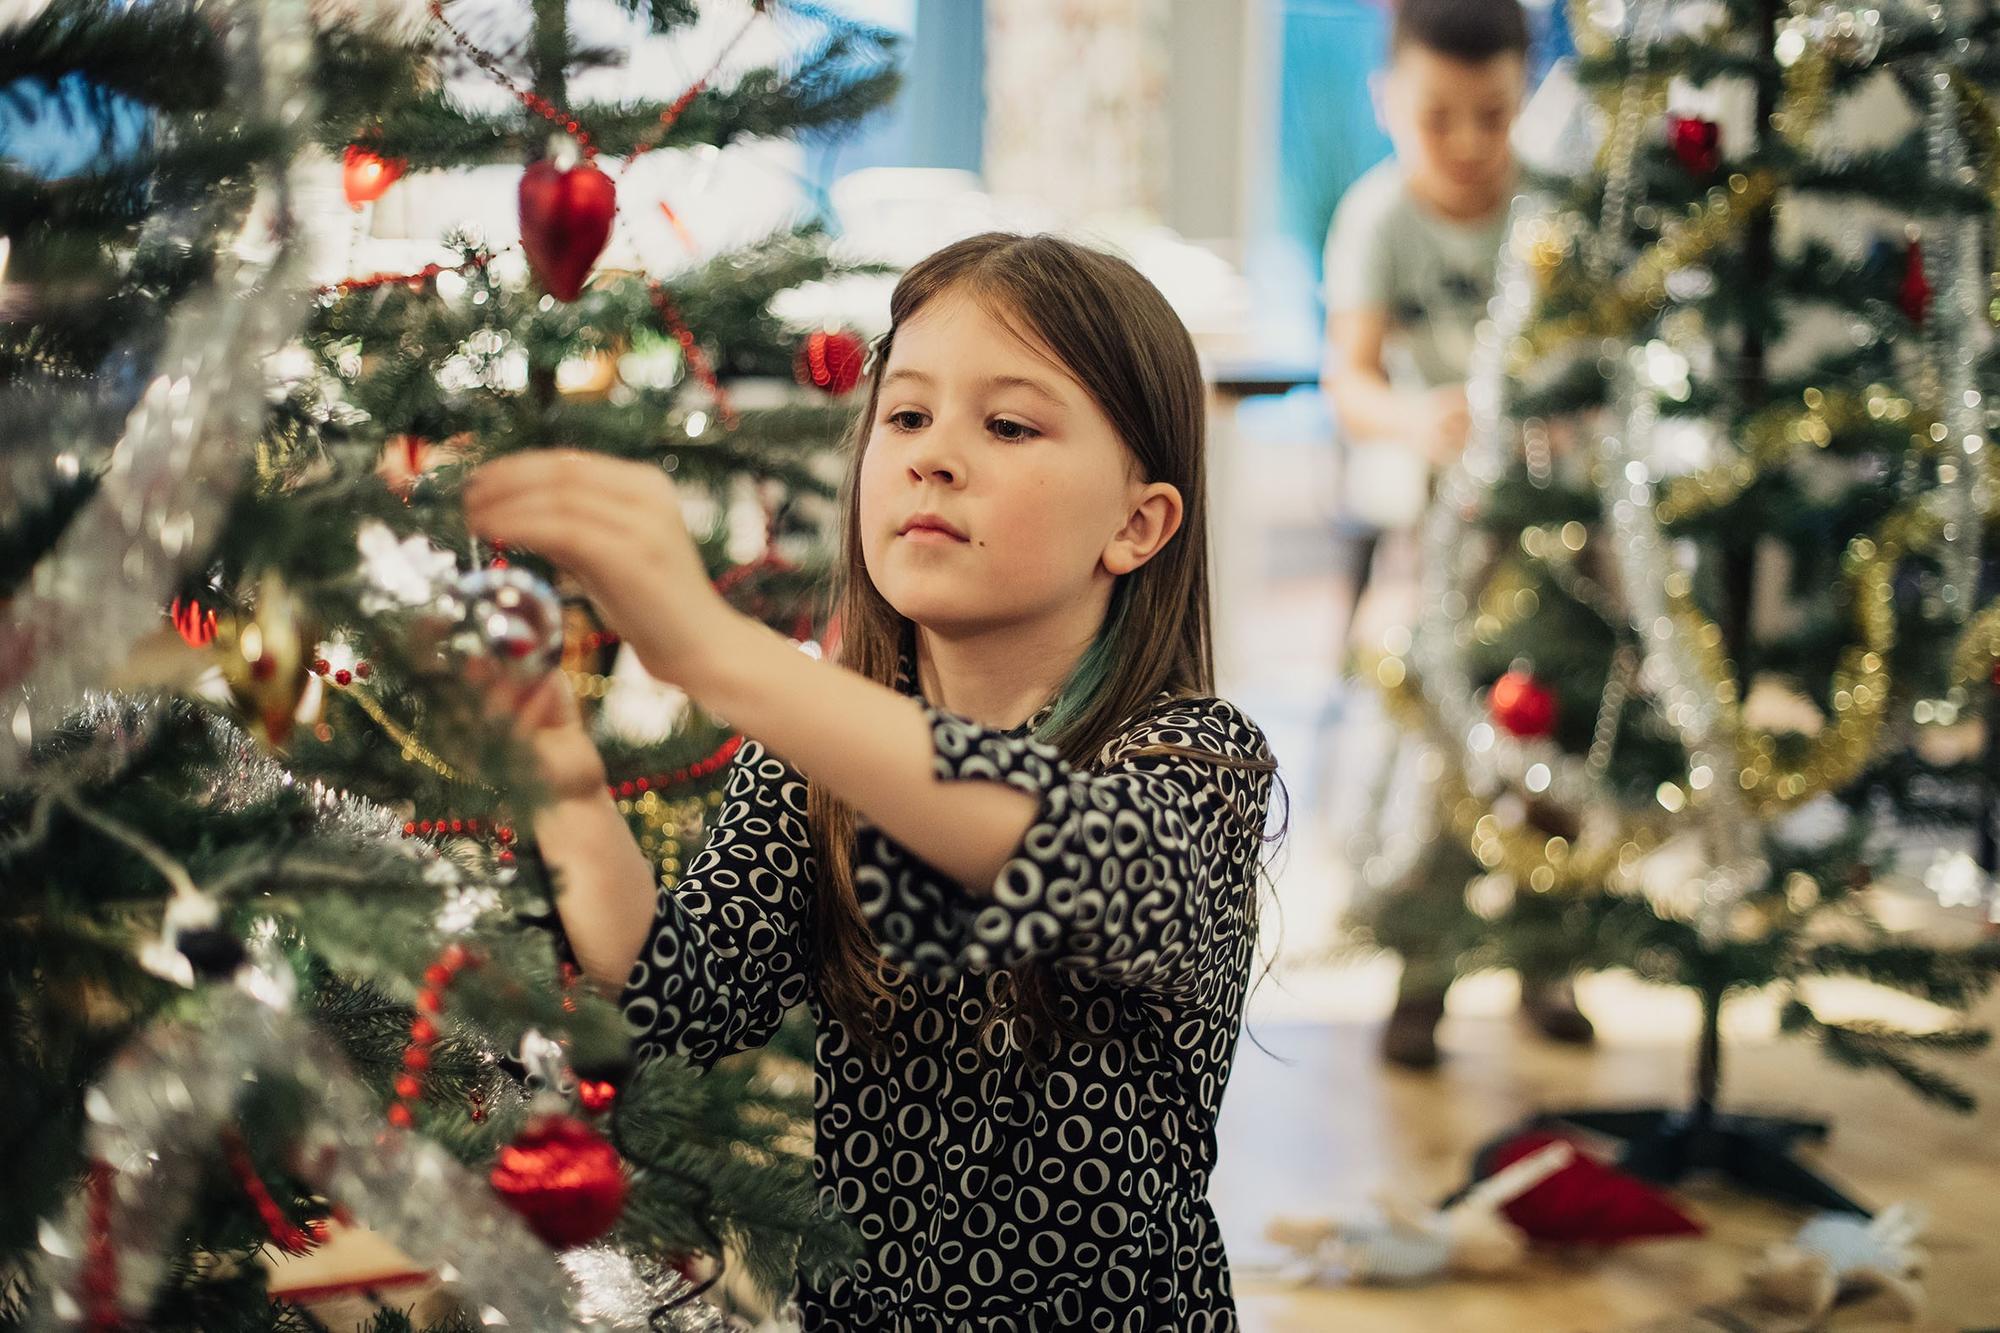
1150 526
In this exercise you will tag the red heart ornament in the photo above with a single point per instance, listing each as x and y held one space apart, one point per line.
565 222
366 176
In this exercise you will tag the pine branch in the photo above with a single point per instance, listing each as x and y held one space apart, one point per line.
1954 978
1877 1046
117 47
838 85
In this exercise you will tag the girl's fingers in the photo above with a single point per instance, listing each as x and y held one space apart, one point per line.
549 470
580 532
549 702
534 524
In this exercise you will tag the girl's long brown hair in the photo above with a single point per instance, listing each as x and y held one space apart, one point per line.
1114 332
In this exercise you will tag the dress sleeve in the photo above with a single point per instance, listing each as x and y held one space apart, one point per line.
1134 874
729 950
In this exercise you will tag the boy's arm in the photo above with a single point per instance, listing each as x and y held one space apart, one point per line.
1369 407
1352 376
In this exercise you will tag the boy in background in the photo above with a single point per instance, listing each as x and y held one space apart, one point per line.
1410 268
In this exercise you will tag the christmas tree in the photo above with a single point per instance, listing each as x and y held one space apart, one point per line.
1709 599
271 956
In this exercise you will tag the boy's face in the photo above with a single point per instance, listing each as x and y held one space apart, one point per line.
1449 120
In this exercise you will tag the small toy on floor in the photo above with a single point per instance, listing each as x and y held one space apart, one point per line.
1835 1260
1409 1243
1541 1187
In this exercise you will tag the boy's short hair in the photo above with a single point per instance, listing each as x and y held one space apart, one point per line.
1474 31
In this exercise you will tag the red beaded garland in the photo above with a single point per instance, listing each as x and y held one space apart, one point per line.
438 977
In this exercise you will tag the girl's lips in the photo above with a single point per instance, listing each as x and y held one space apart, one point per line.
932 537
931 527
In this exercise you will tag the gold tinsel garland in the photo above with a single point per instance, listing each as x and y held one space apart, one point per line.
1643 289
1775 434
1977 652
665 824
1859 700
1861 686
1536 860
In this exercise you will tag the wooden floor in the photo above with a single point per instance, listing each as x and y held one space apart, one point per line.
1323 1127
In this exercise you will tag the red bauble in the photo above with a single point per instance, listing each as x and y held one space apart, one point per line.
831 361
564 1179
1697 143
367 176
565 222
1586 1202
1523 705
1914 296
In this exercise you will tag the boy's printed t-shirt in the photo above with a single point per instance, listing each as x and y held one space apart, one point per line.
1434 276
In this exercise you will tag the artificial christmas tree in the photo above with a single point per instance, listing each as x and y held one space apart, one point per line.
253 987
1724 526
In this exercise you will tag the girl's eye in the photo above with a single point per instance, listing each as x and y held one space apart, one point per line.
908 419
1004 429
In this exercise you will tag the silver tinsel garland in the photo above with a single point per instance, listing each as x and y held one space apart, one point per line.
1956 336
158 1115
172 474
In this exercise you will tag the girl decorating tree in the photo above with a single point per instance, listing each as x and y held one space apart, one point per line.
1007 850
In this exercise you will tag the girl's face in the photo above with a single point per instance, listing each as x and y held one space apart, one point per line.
994 491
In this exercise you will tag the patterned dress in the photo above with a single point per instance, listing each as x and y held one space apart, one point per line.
993 1193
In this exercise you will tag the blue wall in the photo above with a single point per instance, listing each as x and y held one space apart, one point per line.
939 118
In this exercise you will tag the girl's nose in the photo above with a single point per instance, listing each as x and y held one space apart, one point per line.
935 461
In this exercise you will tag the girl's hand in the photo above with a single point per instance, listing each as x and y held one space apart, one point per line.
616 528
545 716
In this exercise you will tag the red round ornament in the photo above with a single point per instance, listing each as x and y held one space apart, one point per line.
1522 705
1914 296
831 361
564 1179
565 223
367 176
1697 143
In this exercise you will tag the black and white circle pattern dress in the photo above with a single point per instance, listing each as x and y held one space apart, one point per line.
992 1194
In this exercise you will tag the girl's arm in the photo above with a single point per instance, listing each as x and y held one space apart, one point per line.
606 886
711 967
606 893
616 526
1142 874
870 745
